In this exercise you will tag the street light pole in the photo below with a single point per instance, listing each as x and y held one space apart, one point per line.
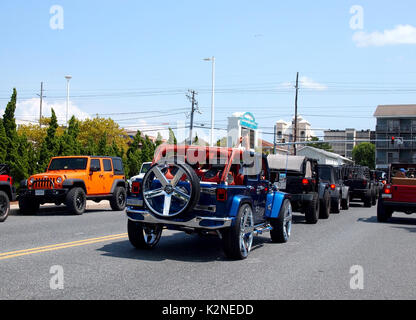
212 100
67 97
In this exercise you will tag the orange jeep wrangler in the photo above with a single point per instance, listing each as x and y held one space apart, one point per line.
73 181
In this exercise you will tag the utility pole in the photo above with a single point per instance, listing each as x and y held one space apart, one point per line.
296 113
41 96
194 108
275 139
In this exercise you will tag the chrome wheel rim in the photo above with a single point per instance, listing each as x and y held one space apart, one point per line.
167 198
287 222
151 235
246 231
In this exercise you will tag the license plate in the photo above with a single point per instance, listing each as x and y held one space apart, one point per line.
135 202
387 196
39 192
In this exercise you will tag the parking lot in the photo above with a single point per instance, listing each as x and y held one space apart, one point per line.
98 262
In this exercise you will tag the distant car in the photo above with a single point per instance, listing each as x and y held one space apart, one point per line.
299 177
362 185
231 199
73 181
7 192
143 170
399 193
339 192
380 178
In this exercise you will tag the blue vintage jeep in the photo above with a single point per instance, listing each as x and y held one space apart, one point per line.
225 192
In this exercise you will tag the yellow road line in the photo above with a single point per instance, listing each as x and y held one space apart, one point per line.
19 253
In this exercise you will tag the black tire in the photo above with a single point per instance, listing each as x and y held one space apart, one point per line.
118 200
312 211
28 206
76 201
336 205
367 201
325 207
231 236
136 232
346 203
383 214
374 199
4 206
281 226
193 197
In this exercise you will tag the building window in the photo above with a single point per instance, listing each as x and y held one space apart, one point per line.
393 157
394 125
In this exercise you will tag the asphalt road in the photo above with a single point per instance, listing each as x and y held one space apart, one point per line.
99 263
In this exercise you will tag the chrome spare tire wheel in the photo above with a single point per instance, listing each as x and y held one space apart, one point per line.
170 189
238 239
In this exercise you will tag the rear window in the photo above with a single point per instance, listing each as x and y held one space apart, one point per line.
118 167
325 173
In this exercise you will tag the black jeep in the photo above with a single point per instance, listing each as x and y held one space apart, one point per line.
362 186
298 176
339 192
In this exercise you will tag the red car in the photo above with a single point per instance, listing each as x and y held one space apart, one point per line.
7 192
399 193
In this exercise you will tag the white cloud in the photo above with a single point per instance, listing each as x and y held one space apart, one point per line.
27 111
306 82
401 34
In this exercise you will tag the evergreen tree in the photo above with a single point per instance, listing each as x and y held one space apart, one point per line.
69 144
3 142
172 138
102 146
159 140
50 146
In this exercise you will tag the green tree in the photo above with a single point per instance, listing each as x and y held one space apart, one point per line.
320 145
3 143
51 144
172 138
364 154
159 139
16 156
69 144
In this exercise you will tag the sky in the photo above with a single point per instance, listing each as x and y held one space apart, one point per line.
135 60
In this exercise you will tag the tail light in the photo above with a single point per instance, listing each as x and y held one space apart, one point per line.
365 183
221 195
387 189
305 182
384 182
135 187
333 186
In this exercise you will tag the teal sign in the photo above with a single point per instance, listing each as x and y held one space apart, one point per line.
247 120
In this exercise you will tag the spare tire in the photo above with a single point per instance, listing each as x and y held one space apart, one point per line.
170 189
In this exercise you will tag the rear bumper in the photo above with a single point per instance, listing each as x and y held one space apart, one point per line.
400 206
308 197
360 193
207 223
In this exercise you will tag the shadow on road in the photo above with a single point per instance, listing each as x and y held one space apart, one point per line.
53 211
176 247
394 222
